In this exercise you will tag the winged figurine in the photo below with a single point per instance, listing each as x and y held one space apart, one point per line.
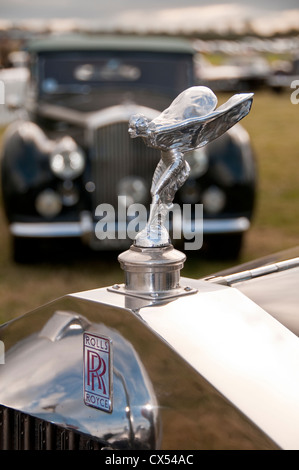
191 121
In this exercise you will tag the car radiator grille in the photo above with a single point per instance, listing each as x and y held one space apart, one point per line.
117 157
19 431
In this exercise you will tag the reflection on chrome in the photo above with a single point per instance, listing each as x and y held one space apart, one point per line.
55 393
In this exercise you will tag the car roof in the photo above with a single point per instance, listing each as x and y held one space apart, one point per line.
81 42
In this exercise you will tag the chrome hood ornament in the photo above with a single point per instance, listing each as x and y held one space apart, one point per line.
190 122
152 265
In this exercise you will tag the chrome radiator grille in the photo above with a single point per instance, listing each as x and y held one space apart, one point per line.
19 431
117 157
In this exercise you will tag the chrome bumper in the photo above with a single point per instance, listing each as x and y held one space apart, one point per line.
85 228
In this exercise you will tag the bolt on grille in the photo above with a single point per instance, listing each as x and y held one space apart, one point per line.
19 431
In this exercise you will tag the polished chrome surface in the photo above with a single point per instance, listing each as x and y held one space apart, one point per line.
43 377
245 353
159 399
237 346
153 272
190 122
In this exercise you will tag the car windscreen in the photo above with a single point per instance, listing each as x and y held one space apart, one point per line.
70 72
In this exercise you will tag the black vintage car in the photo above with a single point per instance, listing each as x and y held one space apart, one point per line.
71 155
161 362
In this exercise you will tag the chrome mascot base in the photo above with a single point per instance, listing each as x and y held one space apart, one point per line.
152 266
153 272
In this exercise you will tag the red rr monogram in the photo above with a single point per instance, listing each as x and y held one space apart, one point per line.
96 368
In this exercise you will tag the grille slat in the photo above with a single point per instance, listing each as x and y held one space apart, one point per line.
117 156
19 431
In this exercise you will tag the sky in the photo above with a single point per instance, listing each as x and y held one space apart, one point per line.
21 9
170 15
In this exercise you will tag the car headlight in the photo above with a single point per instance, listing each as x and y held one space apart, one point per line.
48 203
67 161
198 161
213 200
134 188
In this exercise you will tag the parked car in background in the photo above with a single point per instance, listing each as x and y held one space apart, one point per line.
284 76
72 153
14 81
237 73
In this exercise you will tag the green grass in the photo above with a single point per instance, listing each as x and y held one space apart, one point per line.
273 128
273 125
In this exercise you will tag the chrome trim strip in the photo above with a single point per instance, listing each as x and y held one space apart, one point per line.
256 272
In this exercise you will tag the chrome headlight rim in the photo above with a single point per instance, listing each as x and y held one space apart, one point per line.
67 160
198 160
48 203
134 189
213 200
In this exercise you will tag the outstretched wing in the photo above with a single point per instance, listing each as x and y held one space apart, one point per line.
198 131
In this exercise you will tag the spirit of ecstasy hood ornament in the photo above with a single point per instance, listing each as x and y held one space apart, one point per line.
152 265
190 122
